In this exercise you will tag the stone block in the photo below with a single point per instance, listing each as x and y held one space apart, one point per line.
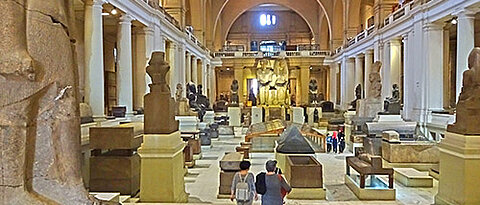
187 123
391 136
411 152
298 115
369 193
304 172
231 161
257 115
234 115
115 174
368 108
264 143
307 194
413 178
124 136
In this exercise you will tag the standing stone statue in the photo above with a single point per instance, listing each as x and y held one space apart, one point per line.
179 92
159 104
234 93
264 76
468 106
313 91
281 73
39 108
375 89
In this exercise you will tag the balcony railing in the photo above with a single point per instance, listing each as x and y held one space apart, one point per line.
259 54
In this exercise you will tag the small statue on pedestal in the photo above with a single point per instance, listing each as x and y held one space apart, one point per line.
313 91
192 95
468 106
179 92
234 93
202 103
392 104
358 96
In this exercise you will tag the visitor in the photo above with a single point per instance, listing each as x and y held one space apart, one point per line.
341 141
335 142
243 185
275 185
329 143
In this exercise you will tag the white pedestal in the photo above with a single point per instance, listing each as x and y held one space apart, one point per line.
298 116
234 114
187 123
162 152
209 117
310 114
459 169
257 115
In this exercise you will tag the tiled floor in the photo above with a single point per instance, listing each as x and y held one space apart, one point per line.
202 181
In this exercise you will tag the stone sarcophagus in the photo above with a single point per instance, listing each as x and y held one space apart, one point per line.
229 165
304 172
114 164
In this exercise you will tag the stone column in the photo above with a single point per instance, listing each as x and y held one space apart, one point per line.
172 82
188 67
142 53
204 77
149 48
368 67
304 85
125 71
333 82
433 33
385 71
200 74
395 63
194 70
407 72
359 63
180 68
94 69
349 81
465 44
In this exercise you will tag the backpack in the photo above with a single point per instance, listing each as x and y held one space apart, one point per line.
242 192
260 185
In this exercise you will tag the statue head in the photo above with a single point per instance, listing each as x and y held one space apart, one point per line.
376 67
395 86
235 82
474 58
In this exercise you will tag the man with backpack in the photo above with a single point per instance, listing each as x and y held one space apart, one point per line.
271 185
243 185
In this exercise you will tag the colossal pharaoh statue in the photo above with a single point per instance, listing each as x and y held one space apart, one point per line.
39 108
264 76
281 74
273 82
468 106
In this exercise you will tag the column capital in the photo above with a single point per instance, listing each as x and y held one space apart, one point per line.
360 56
351 60
126 19
148 30
465 14
433 26
395 41
188 54
94 2
369 52
194 57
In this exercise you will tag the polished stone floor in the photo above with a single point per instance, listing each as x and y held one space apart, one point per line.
202 181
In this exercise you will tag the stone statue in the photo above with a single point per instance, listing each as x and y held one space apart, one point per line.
252 98
179 92
313 91
192 95
39 108
358 96
159 104
264 76
468 106
281 75
392 104
234 95
375 89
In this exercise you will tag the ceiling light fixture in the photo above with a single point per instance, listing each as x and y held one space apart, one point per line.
454 21
114 11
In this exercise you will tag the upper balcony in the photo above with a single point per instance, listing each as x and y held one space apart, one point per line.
281 54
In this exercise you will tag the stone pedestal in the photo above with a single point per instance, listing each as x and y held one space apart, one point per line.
187 123
162 169
368 108
459 174
349 128
257 115
234 114
298 115
390 122
209 117
264 143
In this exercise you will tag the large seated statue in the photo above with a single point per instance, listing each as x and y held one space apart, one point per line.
468 106
234 93
392 105
312 92
358 96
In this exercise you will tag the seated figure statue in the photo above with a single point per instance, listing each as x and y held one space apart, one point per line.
392 104
234 93
358 96
313 91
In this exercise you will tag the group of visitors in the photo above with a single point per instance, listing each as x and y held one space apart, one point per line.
336 141
270 184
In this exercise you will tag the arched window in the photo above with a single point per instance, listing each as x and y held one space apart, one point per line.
268 20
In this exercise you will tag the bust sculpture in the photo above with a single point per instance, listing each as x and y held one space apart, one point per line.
39 117
179 92
313 91
392 104
375 89
234 93
358 96
468 106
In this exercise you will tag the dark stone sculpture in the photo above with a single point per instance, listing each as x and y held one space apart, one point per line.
392 104
313 91
358 96
234 93
39 108
468 106
252 98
